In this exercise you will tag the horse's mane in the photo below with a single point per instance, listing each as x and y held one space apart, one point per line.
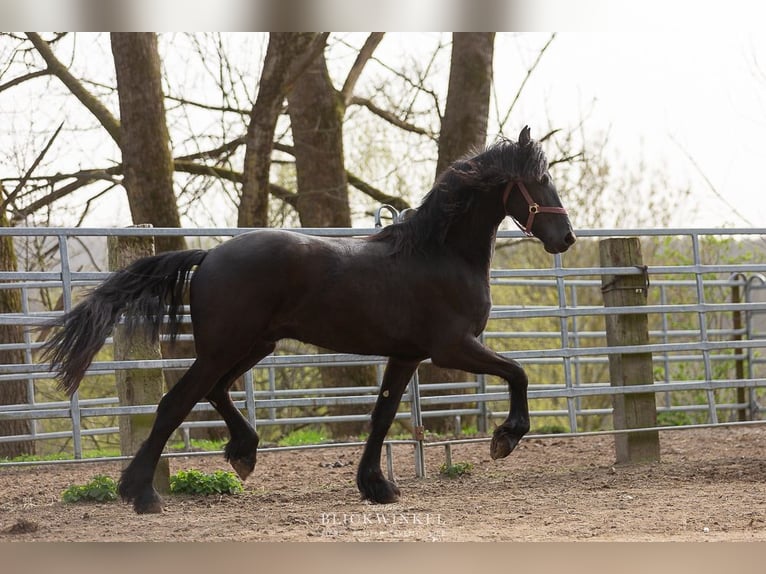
455 189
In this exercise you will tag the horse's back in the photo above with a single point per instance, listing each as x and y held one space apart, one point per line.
346 294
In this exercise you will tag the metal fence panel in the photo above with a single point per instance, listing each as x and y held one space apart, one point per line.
709 366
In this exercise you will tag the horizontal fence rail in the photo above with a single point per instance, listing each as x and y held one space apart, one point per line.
707 329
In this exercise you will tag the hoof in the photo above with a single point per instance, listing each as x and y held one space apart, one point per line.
380 491
148 504
503 443
243 466
241 455
143 496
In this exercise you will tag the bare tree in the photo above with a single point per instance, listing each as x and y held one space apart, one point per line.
464 126
316 117
144 139
287 55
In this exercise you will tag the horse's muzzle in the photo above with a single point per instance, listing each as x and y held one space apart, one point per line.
562 245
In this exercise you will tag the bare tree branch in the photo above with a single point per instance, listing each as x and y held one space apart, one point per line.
83 178
24 78
390 117
90 176
395 202
362 58
110 123
566 159
204 106
202 169
284 194
530 71
225 148
22 182
709 183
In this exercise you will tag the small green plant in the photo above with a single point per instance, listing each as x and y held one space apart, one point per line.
456 469
302 436
100 489
197 482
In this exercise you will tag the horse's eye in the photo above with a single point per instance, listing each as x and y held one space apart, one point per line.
545 179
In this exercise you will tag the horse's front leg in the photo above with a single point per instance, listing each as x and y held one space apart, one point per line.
470 355
369 478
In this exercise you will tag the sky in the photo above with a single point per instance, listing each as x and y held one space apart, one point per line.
693 103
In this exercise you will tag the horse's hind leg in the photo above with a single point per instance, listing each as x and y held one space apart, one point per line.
369 478
241 450
136 480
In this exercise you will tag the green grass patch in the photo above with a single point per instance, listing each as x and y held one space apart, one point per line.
673 419
301 437
198 482
549 429
53 456
196 444
456 469
100 489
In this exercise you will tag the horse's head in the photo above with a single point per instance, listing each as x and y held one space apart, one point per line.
534 204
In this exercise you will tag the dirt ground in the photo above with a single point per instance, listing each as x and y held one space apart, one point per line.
710 485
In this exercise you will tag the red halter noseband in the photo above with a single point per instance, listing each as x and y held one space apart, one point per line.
534 208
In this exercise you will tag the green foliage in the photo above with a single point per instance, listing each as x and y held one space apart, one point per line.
38 457
100 489
92 453
302 436
549 429
197 482
673 418
456 469
207 445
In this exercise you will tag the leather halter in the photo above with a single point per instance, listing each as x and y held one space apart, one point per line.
534 208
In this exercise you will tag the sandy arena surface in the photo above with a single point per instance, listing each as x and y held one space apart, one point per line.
710 485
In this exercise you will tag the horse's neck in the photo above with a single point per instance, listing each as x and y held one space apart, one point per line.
474 242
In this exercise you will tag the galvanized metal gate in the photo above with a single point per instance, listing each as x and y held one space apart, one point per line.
703 347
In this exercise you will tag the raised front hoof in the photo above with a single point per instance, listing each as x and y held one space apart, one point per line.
243 466
242 456
379 491
503 443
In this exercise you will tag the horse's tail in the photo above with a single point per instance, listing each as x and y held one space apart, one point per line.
140 291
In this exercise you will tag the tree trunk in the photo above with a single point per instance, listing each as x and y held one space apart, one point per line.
144 140
11 392
464 125
463 129
316 115
283 55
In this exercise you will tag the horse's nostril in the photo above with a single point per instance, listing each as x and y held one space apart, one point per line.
570 238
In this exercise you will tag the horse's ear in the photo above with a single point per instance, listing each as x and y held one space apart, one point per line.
524 137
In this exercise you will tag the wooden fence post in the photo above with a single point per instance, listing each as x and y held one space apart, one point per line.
136 386
630 410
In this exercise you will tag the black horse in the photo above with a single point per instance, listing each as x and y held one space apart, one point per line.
417 289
